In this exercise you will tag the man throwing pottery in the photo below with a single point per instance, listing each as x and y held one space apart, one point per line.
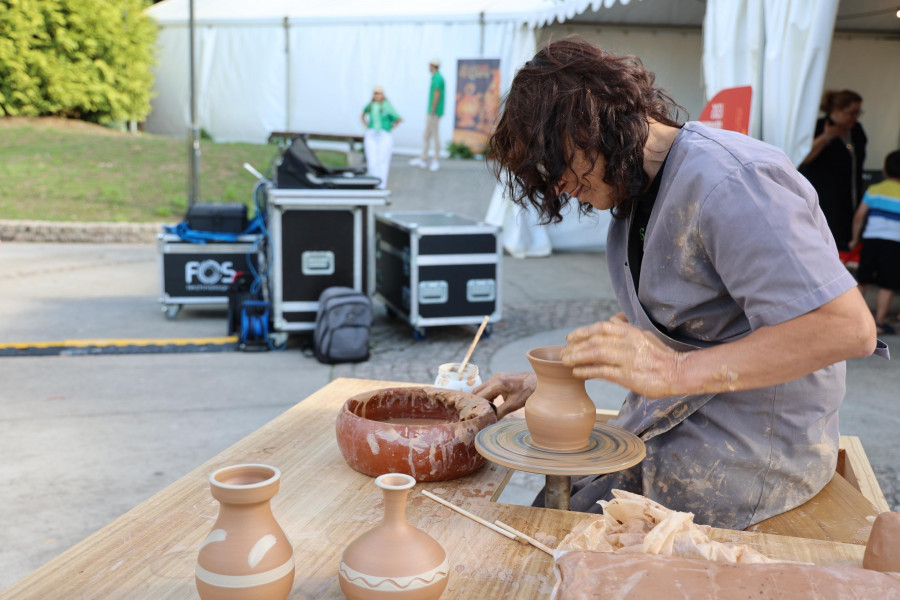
435 112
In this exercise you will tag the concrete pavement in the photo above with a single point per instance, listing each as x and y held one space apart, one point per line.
86 438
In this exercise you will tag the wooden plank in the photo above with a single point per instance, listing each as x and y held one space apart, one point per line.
784 547
605 415
857 470
323 505
838 513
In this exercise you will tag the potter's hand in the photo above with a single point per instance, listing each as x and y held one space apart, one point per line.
514 387
621 353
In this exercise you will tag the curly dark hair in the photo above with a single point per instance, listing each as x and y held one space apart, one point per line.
573 95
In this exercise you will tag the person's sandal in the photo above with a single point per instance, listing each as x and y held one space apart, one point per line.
884 329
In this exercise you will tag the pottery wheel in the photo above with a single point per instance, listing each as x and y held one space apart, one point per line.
611 449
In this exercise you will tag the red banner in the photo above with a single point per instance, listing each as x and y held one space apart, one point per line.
729 109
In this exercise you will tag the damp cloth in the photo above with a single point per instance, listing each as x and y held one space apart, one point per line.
632 524
641 549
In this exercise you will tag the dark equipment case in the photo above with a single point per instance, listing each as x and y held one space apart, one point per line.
198 274
298 167
220 217
318 239
437 268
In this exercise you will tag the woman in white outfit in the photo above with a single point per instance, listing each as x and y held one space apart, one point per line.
380 118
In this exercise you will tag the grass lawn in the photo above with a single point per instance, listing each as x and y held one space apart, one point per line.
59 170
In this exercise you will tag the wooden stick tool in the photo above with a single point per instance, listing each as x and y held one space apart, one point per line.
528 539
462 365
466 513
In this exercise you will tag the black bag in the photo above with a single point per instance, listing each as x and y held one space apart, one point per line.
342 326
221 217
299 167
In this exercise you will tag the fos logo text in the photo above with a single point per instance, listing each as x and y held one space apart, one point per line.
209 272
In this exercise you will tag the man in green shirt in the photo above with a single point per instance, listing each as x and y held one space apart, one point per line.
435 112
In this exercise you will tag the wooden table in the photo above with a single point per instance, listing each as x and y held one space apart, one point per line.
323 505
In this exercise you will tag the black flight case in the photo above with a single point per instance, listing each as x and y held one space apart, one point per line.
318 238
437 268
197 274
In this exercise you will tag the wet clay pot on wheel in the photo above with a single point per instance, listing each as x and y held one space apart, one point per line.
246 556
394 559
559 414
425 432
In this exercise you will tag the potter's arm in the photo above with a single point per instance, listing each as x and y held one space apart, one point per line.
635 359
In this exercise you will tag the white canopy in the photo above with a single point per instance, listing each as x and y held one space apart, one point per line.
746 42
285 65
309 65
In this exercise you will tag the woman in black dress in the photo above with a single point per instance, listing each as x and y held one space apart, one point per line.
835 161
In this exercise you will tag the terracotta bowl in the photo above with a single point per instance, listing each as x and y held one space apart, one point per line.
426 432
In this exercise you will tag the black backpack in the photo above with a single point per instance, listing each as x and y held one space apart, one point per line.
342 326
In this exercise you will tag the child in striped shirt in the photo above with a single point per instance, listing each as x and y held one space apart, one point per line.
877 221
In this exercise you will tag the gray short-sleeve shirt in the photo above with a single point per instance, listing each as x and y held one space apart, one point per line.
736 241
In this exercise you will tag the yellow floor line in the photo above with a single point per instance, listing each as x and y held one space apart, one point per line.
100 343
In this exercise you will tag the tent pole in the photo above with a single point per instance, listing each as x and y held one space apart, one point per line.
481 43
194 147
287 74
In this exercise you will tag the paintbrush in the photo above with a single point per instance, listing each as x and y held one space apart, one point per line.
462 365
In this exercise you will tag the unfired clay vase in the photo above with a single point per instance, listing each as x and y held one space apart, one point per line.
449 378
883 547
425 432
559 414
246 556
394 559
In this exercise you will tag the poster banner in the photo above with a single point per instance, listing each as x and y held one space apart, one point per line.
477 101
729 109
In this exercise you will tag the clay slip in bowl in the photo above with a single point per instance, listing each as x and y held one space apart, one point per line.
428 433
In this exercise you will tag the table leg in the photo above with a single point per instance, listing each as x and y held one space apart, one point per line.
558 491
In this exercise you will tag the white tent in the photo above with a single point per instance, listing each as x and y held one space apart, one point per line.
286 65
308 65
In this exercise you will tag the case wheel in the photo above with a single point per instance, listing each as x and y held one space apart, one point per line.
420 334
488 330
172 311
278 341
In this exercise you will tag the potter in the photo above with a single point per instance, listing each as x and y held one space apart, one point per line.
736 313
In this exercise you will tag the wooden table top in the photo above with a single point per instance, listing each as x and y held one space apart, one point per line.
323 505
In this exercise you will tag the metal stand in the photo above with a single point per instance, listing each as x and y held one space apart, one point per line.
558 492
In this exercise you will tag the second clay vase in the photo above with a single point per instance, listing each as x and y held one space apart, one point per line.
559 414
394 559
246 556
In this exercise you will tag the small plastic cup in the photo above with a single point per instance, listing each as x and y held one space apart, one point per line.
448 377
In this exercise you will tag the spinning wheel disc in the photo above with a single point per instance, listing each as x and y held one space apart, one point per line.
611 449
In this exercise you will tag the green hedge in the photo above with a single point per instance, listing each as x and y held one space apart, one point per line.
83 59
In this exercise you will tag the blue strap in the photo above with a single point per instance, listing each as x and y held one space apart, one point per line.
183 230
